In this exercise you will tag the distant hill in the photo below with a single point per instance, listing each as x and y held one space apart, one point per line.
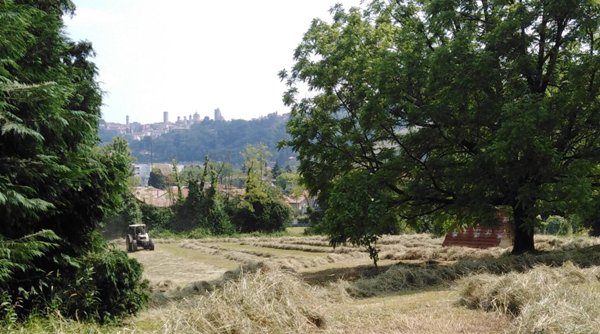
220 140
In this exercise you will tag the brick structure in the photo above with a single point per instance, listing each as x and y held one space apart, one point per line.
483 236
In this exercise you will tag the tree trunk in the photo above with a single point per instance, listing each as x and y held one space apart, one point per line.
523 231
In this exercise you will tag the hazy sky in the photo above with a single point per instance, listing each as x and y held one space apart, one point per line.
184 56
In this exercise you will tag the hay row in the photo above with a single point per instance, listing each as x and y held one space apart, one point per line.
305 248
269 301
293 263
543 300
406 277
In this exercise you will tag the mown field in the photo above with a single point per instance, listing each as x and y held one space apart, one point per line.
299 284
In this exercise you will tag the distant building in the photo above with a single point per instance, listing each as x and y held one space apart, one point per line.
159 197
218 115
196 117
143 172
166 117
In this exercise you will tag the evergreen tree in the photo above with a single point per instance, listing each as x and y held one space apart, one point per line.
52 175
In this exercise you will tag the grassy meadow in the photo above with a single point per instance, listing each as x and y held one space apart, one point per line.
299 284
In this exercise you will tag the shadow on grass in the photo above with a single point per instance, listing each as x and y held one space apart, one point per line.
366 281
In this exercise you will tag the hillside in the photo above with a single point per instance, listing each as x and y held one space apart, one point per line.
220 140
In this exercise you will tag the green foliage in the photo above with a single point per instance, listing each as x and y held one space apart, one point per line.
19 254
115 226
558 225
359 212
52 175
117 281
290 183
204 207
103 284
255 159
157 179
156 217
455 107
126 209
276 170
261 209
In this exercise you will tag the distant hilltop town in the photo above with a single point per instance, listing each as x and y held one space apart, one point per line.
137 131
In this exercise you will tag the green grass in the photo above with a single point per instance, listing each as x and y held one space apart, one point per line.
295 231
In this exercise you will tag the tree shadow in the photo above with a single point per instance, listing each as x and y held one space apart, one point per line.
366 281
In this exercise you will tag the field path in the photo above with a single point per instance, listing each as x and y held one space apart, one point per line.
170 265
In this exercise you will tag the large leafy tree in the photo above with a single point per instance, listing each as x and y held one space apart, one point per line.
52 175
454 107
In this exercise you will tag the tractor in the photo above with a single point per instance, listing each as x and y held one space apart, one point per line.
137 237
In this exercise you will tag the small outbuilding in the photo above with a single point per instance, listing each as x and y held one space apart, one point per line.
492 235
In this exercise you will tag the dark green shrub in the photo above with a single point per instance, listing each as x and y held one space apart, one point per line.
262 209
121 291
156 217
106 285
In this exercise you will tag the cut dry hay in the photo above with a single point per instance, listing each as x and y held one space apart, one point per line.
552 243
402 277
252 257
542 300
268 301
304 247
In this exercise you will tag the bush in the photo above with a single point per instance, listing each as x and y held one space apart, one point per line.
261 209
102 285
262 215
105 285
155 217
117 279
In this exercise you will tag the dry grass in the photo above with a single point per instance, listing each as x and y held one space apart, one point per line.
412 296
291 259
403 276
273 301
542 300
549 243
304 247
424 312
268 301
170 266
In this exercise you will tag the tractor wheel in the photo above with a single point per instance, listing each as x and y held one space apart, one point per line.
151 245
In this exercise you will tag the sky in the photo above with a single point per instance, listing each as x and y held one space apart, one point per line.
187 56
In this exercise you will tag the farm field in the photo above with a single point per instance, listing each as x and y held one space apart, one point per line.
300 284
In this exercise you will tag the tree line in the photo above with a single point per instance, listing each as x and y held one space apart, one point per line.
206 210
221 140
